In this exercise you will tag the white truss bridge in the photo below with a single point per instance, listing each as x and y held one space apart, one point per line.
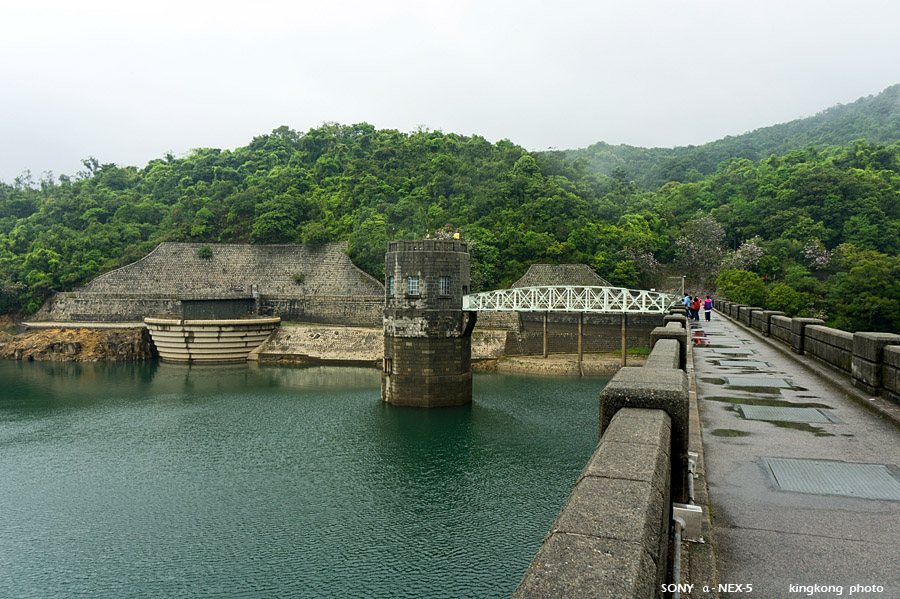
599 300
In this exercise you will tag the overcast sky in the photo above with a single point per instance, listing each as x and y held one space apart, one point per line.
127 82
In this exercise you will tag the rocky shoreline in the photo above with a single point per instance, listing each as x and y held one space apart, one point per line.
77 344
294 344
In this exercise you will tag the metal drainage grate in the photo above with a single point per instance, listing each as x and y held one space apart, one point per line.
820 477
757 381
783 414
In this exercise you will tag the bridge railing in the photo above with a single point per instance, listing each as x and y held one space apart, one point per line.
603 300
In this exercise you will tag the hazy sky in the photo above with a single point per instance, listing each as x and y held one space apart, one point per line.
128 81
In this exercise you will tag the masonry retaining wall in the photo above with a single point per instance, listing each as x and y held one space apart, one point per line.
312 283
601 333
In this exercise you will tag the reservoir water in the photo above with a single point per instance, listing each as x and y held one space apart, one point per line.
157 480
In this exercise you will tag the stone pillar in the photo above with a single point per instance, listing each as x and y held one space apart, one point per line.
427 336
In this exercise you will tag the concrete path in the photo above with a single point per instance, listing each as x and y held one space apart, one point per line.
773 529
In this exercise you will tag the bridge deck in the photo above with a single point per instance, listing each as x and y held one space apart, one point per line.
775 525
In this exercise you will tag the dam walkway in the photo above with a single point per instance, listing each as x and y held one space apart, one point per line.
802 479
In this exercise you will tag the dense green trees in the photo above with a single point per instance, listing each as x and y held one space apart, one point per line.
814 231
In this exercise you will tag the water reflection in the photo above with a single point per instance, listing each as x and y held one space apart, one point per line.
160 480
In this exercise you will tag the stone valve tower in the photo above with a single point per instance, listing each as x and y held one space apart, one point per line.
427 335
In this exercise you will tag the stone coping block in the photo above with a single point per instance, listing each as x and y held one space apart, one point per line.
672 331
870 346
780 327
610 538
666 354
798 332
653 388
892 356
679 318
868 356
587 567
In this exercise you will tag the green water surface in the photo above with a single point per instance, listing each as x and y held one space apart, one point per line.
157 480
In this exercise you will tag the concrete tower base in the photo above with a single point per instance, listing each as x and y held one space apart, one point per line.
427 336
427 372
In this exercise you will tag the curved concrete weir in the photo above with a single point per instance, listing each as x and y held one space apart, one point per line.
208 341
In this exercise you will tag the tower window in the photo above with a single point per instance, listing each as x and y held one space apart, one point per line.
445 285
390 285
412 285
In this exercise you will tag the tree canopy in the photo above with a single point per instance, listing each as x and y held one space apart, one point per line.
819 227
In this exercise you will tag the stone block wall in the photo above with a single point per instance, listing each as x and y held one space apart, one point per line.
891 372
601 333
780 328
317 283
830 346
436 368
868 359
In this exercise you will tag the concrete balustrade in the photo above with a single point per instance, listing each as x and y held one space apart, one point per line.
798 332
673 330
761 319
745 313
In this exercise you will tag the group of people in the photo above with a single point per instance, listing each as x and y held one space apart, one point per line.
693 306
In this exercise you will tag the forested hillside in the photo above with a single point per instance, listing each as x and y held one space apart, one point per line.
812 232
875 119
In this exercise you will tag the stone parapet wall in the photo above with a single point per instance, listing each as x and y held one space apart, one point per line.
891 372
870 359
830 346
780 328
611 537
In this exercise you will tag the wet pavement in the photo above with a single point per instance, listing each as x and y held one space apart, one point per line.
804 484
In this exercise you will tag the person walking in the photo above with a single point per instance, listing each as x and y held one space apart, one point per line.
707 308
696 309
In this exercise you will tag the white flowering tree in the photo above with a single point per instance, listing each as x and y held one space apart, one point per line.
699 250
